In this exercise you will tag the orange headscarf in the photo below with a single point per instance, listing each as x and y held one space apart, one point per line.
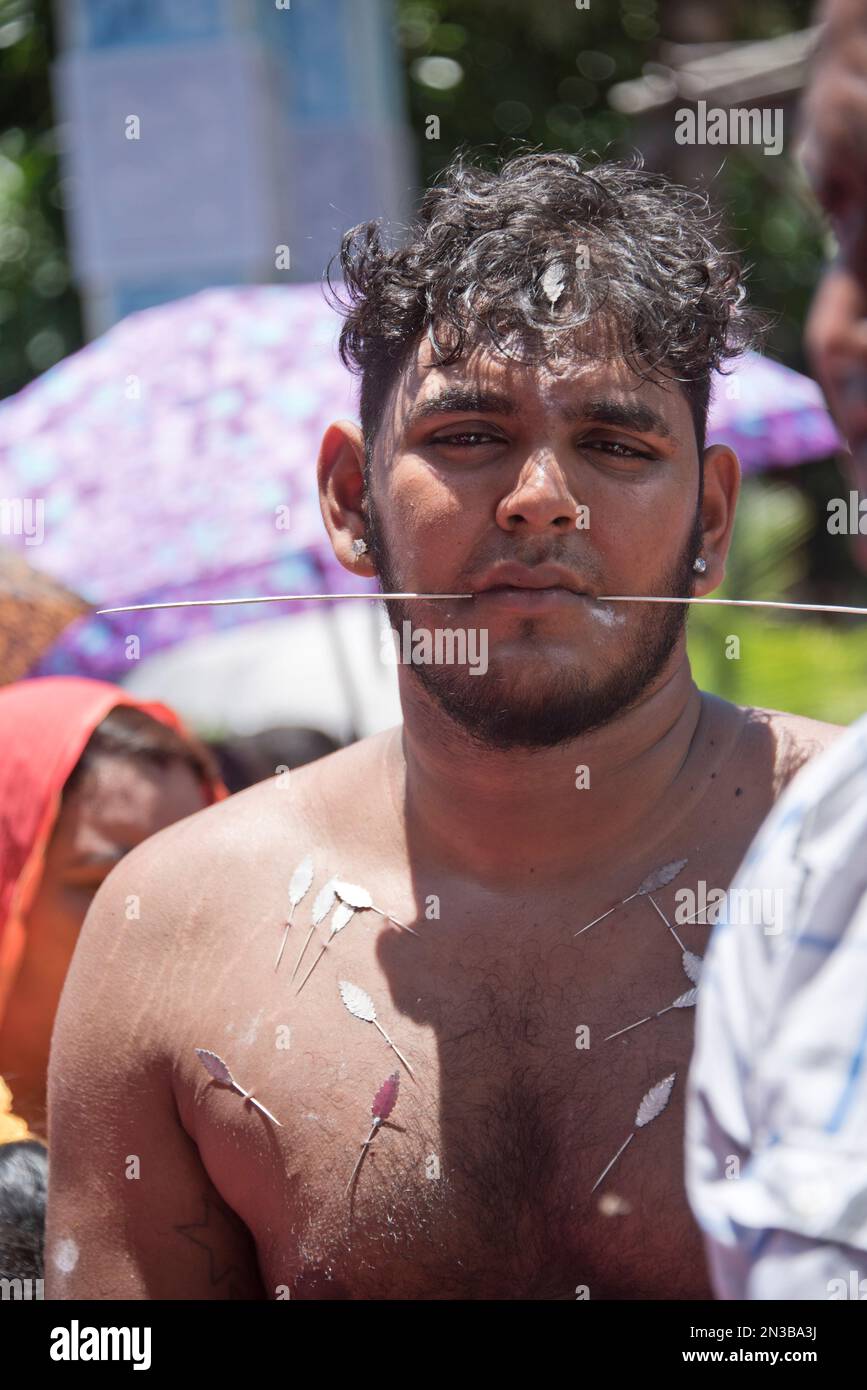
44 726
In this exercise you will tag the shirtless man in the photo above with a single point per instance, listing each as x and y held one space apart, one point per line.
515 805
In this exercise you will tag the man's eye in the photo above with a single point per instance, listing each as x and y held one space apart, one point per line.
614 446
466 438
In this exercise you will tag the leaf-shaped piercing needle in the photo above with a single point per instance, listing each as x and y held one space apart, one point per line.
360 898
691 961
704 910
655 904
692 965
383 1104
657 879
298 886
683 1001
322 905
342 914
652 1105
360 1005
216 1068
553 282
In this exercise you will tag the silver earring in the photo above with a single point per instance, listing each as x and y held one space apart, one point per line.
359 547
699 564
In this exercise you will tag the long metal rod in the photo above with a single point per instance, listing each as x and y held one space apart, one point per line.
263 598
737 602
603 598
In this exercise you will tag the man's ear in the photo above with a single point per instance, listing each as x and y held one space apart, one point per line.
339 470
722 483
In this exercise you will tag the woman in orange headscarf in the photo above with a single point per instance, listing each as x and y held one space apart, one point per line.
86 773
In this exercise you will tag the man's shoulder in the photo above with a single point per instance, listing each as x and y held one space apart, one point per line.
184 894
794 739
276 816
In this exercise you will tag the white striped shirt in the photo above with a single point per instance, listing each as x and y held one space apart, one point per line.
776 1133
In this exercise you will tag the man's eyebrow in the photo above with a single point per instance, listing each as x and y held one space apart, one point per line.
631 415
461 400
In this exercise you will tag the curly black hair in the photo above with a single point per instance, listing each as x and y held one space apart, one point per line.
535 251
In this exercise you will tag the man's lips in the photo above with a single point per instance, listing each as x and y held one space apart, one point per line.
509 575
524 600
527 588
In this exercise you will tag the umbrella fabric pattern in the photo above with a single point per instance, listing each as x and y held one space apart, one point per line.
176 456
771 416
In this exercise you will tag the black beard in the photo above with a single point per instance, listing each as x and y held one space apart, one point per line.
545 714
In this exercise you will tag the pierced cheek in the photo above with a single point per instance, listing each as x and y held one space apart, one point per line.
416 535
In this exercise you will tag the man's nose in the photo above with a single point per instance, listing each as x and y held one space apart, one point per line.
541 497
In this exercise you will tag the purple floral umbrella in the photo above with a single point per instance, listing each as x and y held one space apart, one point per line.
169 454
176 459
772 416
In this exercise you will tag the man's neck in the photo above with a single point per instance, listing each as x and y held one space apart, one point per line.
496 815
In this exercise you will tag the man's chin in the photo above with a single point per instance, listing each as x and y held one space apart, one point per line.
529 711
534 695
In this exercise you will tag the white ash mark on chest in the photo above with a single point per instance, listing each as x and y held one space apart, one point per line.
247 1035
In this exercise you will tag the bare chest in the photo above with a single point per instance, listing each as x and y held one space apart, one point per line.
516 1088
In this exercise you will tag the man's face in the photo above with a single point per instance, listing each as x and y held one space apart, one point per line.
118 803
579 465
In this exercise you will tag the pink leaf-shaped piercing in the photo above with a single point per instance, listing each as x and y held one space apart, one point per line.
383 1104
217 1069
298 886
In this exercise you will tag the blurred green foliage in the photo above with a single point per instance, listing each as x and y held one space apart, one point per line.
779 660
804 668
493 71
40 316
497 71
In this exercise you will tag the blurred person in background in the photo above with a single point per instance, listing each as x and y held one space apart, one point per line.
245 759
86 773
834 152
776 1140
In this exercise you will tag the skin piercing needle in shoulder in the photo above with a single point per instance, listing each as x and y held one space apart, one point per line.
298 887
218 1071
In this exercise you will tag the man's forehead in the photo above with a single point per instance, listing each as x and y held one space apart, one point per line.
568 379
